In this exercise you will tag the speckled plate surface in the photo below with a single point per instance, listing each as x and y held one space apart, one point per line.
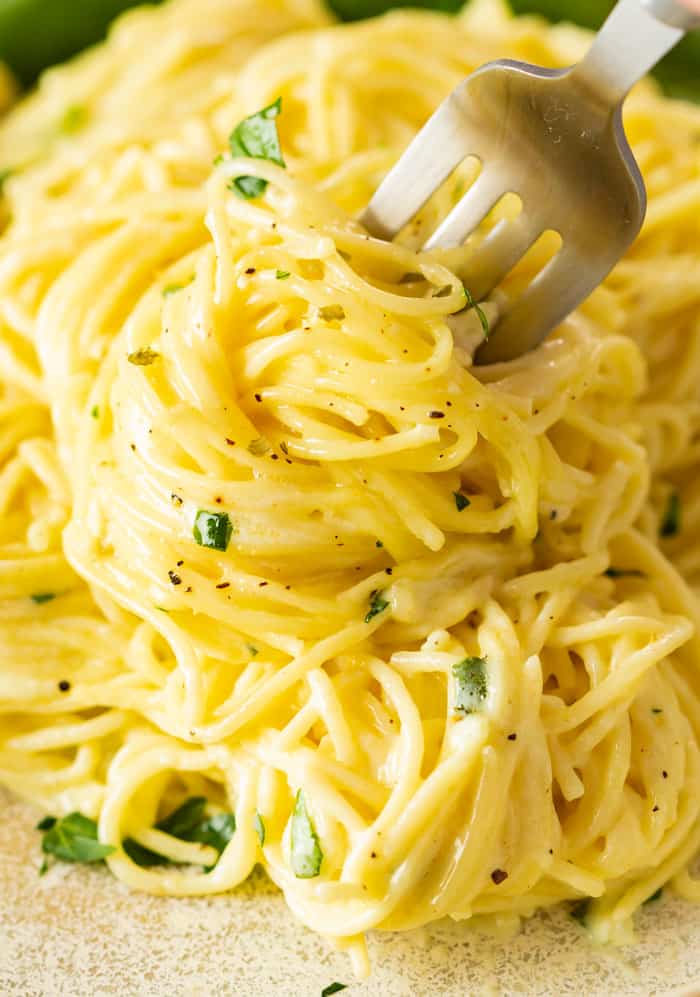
78 933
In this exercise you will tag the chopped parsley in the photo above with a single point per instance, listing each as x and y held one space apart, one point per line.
95 412
333 988
253 650
471 685
306 850
171 289
671 522
5 174
624 573
41 597
143 357
74 118
257 138
212 529
479 311
332 313
377 605
259 447
282 274
188 823
461 501
259 825
72 839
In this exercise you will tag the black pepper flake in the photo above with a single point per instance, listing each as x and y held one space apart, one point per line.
175 499
64 686
250 270
230 443
274 456
223 585
389 571
436 414
665 774
373 855
188 589
498 876
257 396
262 584
174 578
512 737
133 447
218 500
449 404
654 810
179 564
553 515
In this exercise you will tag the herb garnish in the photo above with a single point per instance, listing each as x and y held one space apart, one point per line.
143 357
95 412
306 850
624 573
72 839
188 823
74 118
479 311
461 501
332 313
212 529
377 605
259 825
5 174
253 650
471 686
282 274
333 988
258 447
257 138
41 597
671 522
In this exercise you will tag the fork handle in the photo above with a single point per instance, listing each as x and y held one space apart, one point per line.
636 36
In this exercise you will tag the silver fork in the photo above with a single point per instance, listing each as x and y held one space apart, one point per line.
555 138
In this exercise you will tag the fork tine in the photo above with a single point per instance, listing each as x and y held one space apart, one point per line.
438 148
486 190
546 302
496 256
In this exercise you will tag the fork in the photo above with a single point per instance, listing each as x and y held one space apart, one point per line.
555 139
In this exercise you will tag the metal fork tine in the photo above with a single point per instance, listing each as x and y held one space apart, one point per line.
438 148
545 303
468 212
496 256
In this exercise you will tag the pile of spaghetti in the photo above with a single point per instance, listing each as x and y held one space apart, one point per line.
284 577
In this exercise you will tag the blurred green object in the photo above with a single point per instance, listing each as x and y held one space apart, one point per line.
35 34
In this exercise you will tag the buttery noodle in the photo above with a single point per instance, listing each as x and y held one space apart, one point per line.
167 347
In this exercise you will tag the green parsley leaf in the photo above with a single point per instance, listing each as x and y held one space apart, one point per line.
44 867
257 138
306 850
259 825
461 501
142 856
258 447
46 823
479 311
185 818
95 412
254 651
42 597
671 522
74 839
282 274
471 684
143 357
377 605
656 895
333 988
5 174
212 529
624 573
74 118
378 543
216 831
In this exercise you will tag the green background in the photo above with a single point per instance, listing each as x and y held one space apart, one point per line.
38 33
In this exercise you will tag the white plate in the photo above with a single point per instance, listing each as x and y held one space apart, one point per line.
76 932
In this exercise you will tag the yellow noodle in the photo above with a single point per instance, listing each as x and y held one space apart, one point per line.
334 415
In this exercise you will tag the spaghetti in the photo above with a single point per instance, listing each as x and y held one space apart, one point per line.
268 538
